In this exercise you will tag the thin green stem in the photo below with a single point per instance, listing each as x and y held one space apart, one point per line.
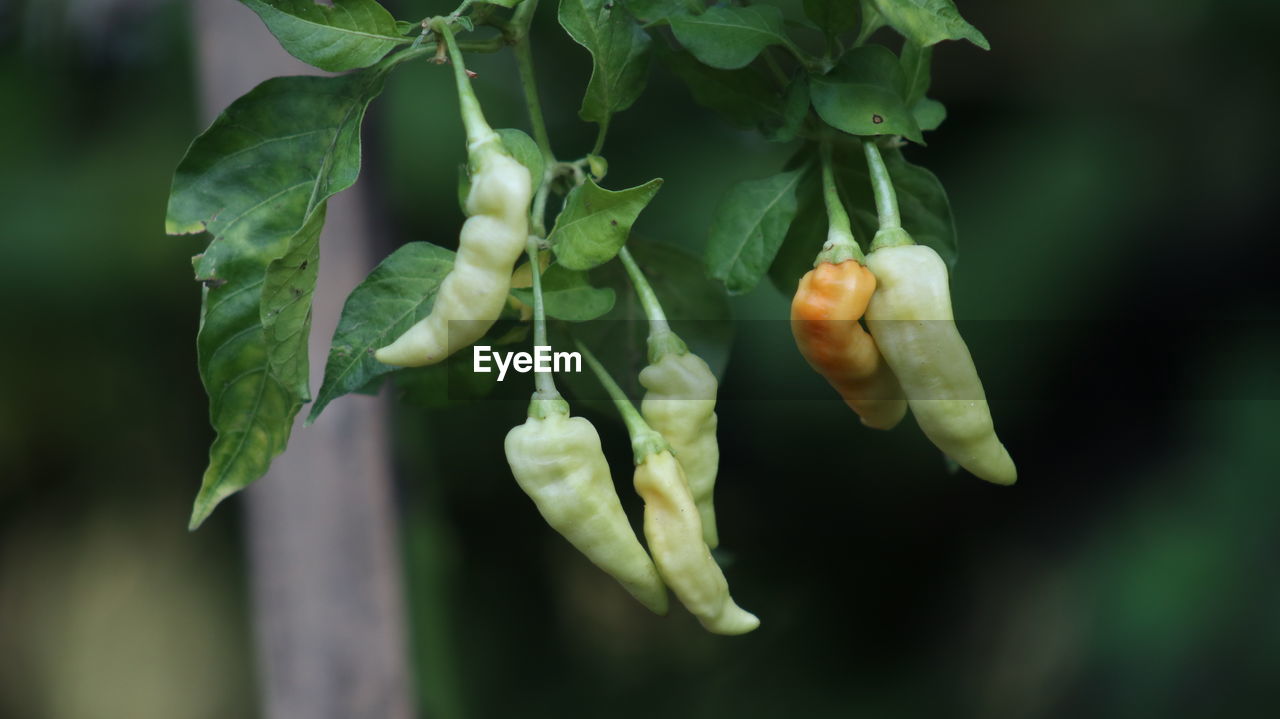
546 399
882 185
600 136
546 385
840 245
493 44
890 233
809 62
662 340
538 210
528 79
644 439
478 130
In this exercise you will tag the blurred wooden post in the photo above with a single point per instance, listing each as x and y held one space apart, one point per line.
327 591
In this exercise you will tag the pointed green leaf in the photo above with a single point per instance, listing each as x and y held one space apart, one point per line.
349 35
397 293
864 95
619 52
749 227
595 223
730 37
257 180
928 22
566 295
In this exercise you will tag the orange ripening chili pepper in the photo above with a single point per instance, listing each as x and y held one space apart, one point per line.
825 311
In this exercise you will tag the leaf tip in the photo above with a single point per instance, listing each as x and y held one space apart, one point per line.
174 227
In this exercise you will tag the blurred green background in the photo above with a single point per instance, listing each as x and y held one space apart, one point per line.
1105 162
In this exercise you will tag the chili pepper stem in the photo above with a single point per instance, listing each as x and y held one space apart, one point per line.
890 233
479 133
644 439
662 341
546 399
841 245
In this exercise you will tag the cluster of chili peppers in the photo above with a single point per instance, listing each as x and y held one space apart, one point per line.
913 354
910 355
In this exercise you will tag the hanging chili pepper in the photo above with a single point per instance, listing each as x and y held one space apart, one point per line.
828 303
672 524
473 294
558 461
910 316
681 401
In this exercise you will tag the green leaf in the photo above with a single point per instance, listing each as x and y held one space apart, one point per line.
257 180
730 37
397 293
503 3
915 70
285 308
795 106
695 305
350 35
525 150
595 223
747 97
749 227
256 384
566 295
655 11
929 114
864 95
831 16
805 236
619 52
928 22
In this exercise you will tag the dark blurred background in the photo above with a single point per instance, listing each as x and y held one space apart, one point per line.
1109 168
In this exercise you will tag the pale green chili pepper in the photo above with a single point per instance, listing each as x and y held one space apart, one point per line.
672 524
910 317
680 402
474 292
